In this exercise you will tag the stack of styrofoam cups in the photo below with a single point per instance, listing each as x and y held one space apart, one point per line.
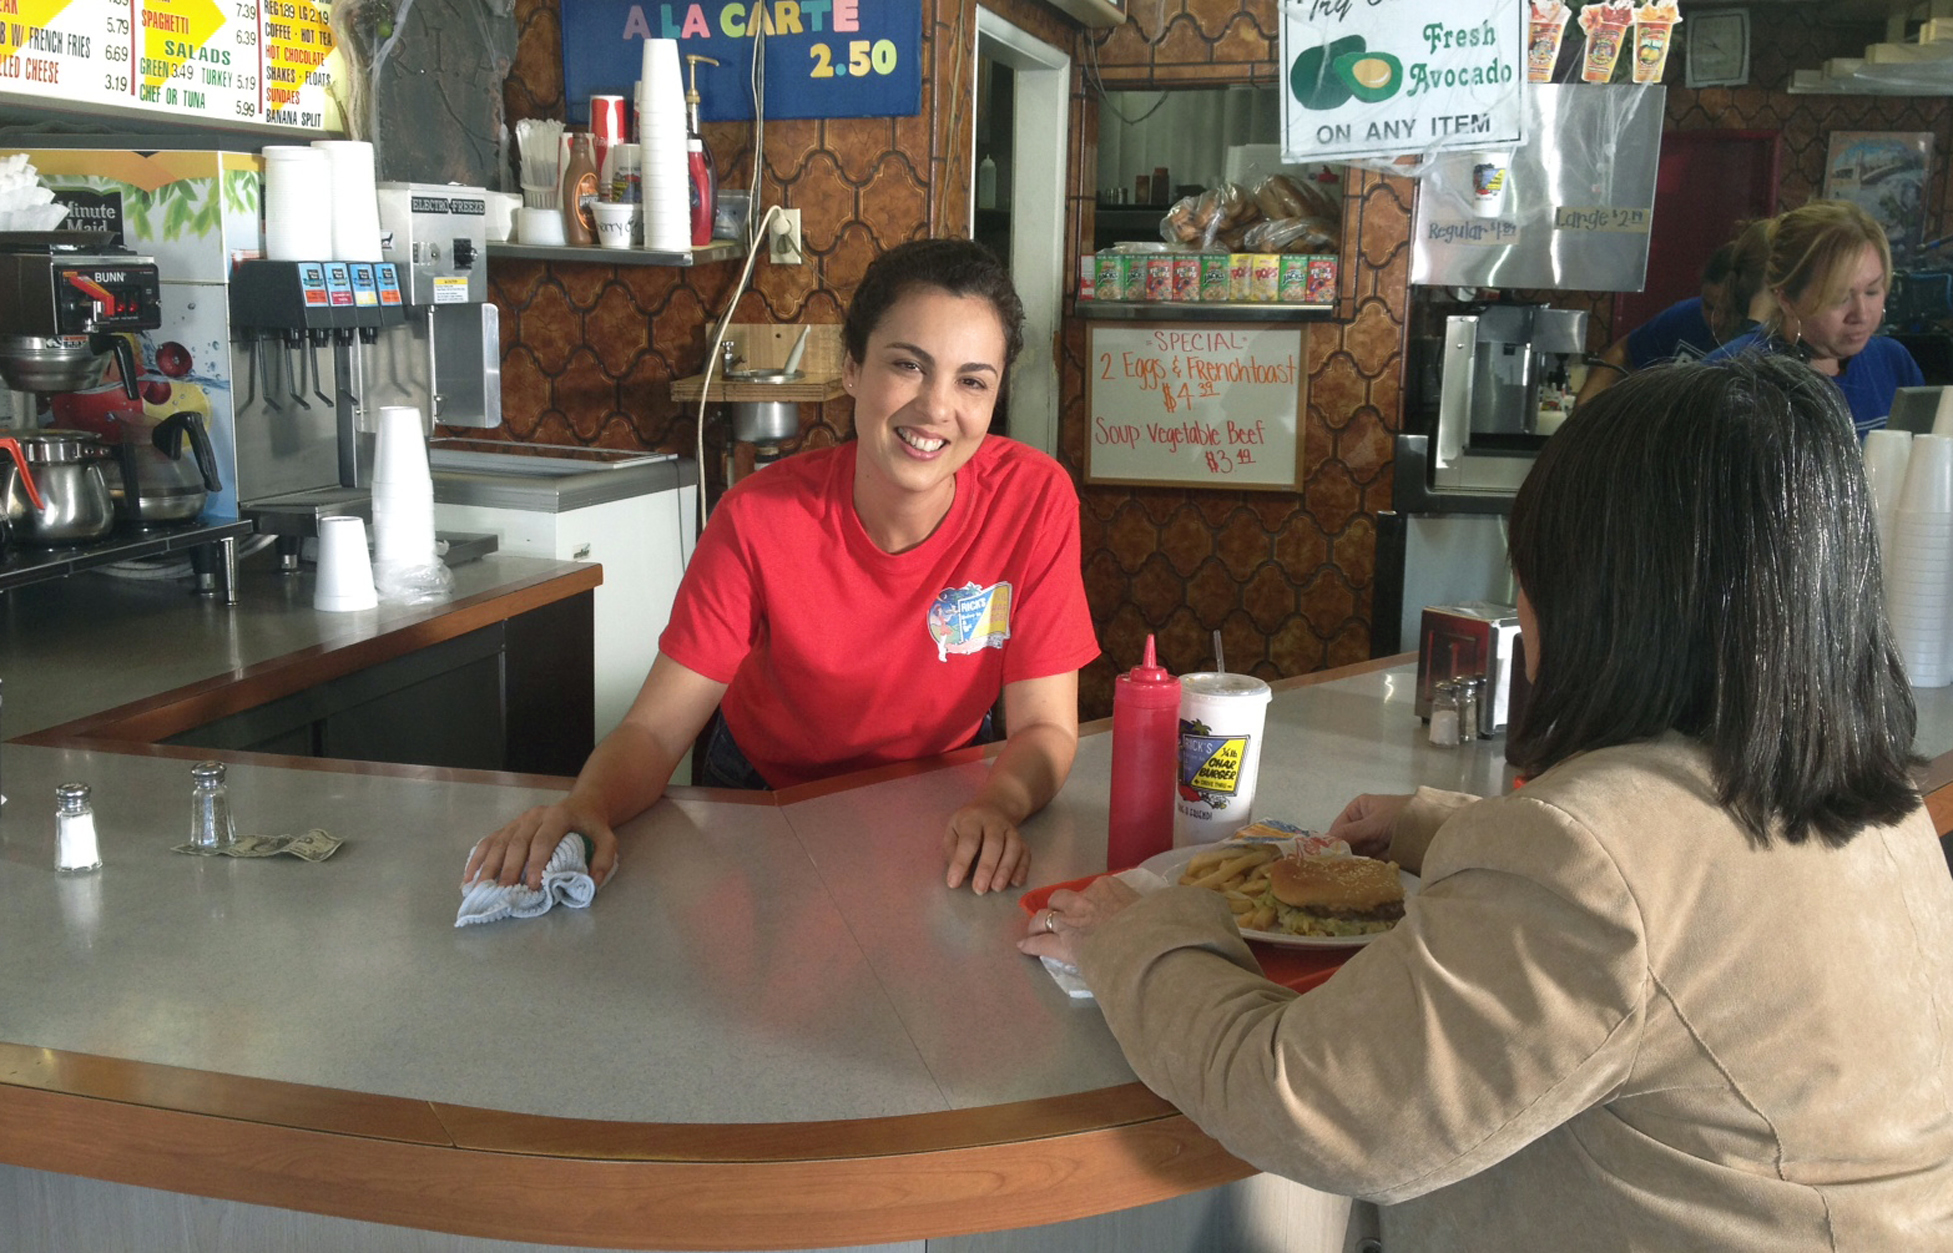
1943 416
1886 453
664 177
1919 573
298 203
403 498
345 570
355 201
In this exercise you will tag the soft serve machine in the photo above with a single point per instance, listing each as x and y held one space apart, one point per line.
288 362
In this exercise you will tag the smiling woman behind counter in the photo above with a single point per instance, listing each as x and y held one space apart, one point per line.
867 603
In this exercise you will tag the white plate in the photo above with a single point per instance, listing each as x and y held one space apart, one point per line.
1169 864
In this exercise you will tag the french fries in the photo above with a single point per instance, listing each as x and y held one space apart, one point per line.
1236 871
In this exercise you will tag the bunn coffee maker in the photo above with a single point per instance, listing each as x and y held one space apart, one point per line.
64 296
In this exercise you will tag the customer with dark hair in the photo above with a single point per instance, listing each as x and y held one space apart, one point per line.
1691 986
869 603
1829 273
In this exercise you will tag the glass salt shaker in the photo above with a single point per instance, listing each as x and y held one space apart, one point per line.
211 826
1468 703
76 849
1444 715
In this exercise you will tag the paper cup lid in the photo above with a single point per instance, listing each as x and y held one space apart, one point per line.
1215 684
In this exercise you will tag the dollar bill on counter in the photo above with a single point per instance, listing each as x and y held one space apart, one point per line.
313 845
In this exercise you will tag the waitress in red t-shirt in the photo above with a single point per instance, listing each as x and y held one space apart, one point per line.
867 603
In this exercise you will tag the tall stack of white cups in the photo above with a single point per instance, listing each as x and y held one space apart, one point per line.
406 566
298 204
665 177
1886 453
354 200
1919 572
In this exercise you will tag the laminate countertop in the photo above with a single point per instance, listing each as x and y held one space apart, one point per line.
774 1028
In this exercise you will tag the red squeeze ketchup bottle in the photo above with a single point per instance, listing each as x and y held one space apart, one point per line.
1145 742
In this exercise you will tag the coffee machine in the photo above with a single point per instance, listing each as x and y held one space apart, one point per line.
1505 383
64 295
290 362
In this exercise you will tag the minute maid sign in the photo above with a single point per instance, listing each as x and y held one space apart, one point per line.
1378 79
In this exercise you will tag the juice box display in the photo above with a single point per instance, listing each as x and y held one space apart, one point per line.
1186 278
1320 287
1216 281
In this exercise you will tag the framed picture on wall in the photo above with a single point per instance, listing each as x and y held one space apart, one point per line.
1884 173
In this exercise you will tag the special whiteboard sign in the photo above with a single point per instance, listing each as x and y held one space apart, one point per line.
244 63
1201 405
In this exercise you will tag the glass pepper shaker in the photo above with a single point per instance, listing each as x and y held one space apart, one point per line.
211 827
76 849
1444 715
1468 703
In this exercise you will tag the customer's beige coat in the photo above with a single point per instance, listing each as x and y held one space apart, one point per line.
1607 1022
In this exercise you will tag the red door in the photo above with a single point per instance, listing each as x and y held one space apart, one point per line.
1707 183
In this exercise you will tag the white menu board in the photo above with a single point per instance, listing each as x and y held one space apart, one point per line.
1198 404
221 62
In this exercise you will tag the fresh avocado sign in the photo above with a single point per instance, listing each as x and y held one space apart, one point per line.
1378 79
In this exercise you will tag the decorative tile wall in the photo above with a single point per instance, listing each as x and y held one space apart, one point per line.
1287 578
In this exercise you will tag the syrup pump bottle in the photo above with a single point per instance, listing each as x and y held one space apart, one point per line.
579 191
1145 739
698 162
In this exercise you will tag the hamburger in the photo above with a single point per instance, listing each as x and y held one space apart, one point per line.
1334 896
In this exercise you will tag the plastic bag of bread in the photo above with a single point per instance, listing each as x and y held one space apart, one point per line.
1297 234
1201 220
1279 196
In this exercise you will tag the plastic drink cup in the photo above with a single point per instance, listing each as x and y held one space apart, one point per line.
1606 26
614 224
1654 25
1545 24
1222 717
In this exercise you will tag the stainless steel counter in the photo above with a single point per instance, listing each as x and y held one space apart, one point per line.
78 646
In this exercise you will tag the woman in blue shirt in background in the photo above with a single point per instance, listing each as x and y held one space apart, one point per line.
1830 270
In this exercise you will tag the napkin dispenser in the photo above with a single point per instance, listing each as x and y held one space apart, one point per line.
1473 640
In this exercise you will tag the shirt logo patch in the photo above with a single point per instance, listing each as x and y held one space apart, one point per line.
969 619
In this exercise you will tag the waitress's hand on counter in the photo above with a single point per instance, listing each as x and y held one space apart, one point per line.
523 848
1059 930
1366 823
982 843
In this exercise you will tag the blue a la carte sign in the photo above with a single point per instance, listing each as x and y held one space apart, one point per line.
824 58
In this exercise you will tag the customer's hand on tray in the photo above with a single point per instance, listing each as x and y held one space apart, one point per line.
1366 823
521 849
1058 930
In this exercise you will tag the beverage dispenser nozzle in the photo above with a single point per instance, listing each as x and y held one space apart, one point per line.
318 338
295 372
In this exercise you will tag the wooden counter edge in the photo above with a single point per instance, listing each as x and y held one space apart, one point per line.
829 1198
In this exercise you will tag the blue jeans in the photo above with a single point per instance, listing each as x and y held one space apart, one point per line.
724 764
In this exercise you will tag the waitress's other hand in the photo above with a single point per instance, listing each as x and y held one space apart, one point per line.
522 848
983 845
1366 823
1058 930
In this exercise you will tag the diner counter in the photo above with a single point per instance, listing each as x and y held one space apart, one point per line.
774 1028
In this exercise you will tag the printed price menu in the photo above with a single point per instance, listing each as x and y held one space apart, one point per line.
251 62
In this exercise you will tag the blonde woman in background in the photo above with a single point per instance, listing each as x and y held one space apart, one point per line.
1830 270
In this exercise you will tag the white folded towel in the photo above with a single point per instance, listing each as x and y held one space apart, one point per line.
566 880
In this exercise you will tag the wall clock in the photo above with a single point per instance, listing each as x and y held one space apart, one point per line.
1718 49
